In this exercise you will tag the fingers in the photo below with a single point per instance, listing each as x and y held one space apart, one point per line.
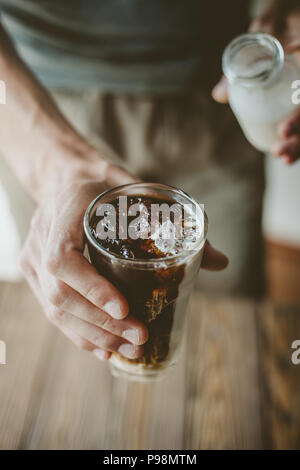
287 146
64 259
290 125
85 335
84 344
213 260
64 297
220 91
101 354
273 21
288 149
77 340
70 266
81 333
96 336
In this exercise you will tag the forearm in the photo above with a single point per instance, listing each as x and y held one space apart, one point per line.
37 141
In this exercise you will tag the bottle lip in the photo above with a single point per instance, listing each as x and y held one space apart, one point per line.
271 44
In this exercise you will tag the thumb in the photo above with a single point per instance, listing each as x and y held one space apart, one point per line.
220 91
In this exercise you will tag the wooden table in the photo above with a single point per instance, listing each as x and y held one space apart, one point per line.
235 386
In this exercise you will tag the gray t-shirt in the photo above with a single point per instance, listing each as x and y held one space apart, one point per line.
127 46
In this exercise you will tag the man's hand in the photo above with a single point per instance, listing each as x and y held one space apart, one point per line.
81 303
64 173
281 19
86 307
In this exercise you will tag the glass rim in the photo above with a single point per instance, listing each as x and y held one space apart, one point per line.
248 39
139 261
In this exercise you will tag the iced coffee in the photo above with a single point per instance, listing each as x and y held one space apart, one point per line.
148 241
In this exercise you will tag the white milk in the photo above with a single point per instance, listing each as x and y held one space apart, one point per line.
260 92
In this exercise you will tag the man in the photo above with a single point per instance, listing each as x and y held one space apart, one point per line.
123 83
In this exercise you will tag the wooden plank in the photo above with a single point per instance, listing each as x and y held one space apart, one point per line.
84 408
279 326
76 393
222 396
148 416
24 330
65 396
53 395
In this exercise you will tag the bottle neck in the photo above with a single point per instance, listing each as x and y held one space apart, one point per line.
253 59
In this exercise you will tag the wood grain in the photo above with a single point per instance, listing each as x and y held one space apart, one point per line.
278 327
73 407
148 416
222 399
234 388
24 331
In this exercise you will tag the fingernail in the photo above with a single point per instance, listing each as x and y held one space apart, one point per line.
132 336
127 350
113 309
100 354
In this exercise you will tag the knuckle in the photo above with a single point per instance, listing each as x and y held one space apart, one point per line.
82 343
55 259
106 323
101 339
57 294
94 293
108 341
66 246
53 264
97 338
55 315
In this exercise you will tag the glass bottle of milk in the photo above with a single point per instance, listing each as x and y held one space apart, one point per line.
260 79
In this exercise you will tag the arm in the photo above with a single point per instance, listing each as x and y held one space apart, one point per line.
63 173
35 137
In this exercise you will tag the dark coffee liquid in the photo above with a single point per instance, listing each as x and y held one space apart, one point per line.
151 293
